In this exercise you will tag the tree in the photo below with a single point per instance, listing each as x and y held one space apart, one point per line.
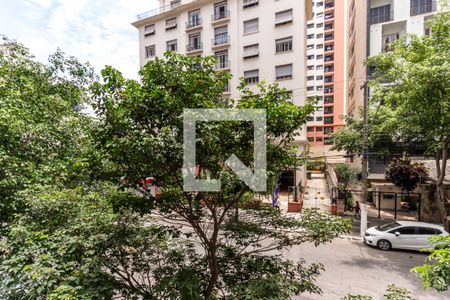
345 174
417 69
141 128
405 174
392 293
435 273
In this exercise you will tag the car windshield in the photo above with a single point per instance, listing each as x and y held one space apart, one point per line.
388 226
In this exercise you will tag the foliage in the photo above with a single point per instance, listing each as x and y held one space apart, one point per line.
436 272
392 293
406 174
140 126
315 165
42 130
412 82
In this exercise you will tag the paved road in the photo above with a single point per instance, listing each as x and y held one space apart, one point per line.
352 267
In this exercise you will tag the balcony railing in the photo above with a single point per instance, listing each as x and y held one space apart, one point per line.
163 9
220 40
429 6
194 46
220 65
194 23
220 15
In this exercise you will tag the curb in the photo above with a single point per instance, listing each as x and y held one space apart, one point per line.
351 237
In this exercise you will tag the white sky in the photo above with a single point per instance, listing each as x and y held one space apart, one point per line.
98 31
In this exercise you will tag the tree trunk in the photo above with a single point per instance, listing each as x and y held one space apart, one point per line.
214 269
441 190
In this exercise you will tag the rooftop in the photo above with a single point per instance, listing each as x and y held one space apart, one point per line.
163 9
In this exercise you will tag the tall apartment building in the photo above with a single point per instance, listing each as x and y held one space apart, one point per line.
326 68
386 21
254 39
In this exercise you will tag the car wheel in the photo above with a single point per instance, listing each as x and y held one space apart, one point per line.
384 245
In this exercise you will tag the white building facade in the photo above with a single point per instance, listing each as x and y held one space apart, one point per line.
391 19
255 39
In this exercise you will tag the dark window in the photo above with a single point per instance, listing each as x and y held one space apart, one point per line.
425 230
310 139
422 6
319 139
328 120
327 130
406 230
328 110
328 100
310 129
380 14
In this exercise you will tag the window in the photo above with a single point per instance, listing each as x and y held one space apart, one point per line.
320 56
388 226
329 37
150 51
311 139
220 11
149 30
319 77
310 68
329 58
220 35
310 88
195 42
319 46
319 25
171 45
328 79
329 16
310 36
310 25
319 67
283 72
319 119
283 45
309 57
425 230
380 14
319 4
171 23
328 120
422 6
309 78
319 139
319 88
328 90
328 110
194 19
329 47
319 36
310 129
310 119
309 47
251 26
174 3
328 69
328 100
327 130
283 17
251 77
328 26
222 60
251 51
249 3
404 230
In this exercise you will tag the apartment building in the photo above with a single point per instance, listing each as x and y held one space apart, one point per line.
255 39
326 68
252 39
386 21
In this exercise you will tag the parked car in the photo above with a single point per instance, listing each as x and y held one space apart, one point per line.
403 235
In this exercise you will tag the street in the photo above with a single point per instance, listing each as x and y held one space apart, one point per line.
352 267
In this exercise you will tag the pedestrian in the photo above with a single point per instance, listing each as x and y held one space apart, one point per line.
357 209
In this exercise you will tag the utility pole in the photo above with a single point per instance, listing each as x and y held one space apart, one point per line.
365 153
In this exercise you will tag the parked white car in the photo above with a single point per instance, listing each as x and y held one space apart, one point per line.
403 235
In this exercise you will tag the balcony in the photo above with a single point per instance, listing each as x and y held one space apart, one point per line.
192 48
220 16
193 24
220 41
222 65
163 9
329 5
419 7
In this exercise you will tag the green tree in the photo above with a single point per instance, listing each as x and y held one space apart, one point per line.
346 174
392 293
435 273
141 127
405 174
416 99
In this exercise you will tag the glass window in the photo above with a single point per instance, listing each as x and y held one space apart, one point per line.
171 23
283 72
283 45
251 51
283 17
171 45
150 51
149 30
251 26
425 230
251 76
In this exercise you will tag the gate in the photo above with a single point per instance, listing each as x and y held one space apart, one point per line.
317 197
399 206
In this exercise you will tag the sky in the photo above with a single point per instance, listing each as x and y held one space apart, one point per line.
95 31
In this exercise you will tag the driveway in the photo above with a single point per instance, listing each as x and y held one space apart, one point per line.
352 267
